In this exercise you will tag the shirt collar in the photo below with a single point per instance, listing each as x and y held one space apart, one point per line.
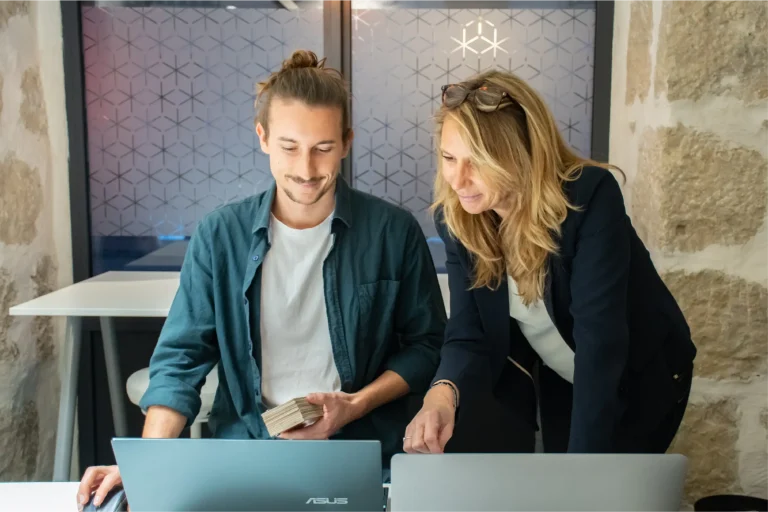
342 211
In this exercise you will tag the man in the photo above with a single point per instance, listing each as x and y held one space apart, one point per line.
308 289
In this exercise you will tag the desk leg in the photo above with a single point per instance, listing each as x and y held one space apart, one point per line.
67 401
114 379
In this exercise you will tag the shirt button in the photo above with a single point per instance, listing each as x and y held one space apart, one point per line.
255 258
245 301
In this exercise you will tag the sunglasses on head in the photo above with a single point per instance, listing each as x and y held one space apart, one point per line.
485 99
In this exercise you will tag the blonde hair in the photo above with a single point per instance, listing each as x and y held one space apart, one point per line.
304 77
518 152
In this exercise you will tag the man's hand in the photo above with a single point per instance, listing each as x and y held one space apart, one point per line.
432 427
98 479
339 409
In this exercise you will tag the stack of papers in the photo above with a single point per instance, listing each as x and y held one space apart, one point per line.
291 414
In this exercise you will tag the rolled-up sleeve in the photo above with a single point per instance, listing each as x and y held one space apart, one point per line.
187 349
420 317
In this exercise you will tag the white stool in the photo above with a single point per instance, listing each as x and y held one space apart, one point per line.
139 381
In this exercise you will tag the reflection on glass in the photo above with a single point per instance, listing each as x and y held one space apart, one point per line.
401 56
169 100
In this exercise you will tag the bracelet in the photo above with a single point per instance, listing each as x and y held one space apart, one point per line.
453 390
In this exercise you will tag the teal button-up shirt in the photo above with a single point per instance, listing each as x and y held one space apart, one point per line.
385 312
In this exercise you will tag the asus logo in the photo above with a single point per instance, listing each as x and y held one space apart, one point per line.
328 501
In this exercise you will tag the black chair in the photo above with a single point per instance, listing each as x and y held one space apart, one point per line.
730 503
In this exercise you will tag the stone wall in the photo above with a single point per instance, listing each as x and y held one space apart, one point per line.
689 126
35 252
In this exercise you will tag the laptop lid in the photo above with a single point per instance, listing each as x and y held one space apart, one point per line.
254 475
480 482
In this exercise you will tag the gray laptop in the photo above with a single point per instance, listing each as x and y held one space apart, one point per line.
479 482
250 475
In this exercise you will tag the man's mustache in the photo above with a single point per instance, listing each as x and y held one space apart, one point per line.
301 181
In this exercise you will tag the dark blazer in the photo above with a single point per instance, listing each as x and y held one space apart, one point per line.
630 339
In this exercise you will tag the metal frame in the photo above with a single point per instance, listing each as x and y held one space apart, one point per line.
74 85
601 85
70 355
346 68
80 344
337 49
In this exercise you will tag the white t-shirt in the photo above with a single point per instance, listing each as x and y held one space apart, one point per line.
541 333
296 352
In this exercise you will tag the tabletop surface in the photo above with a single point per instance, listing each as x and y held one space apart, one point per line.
113 294
123 294
46 497
38 496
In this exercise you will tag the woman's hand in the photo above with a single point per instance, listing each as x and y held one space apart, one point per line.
432 427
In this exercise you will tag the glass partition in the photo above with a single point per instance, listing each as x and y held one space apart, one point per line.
169 100
402 52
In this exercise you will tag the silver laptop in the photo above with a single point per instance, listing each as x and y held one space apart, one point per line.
480 482
250 475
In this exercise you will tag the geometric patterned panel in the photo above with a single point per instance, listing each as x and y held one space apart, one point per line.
402 56
169 99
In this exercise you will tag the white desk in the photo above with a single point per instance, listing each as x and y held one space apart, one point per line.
48 497
170 256
109 295
39 497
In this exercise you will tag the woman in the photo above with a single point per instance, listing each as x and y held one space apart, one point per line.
544 267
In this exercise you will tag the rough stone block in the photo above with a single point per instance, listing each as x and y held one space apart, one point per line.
19 438
21 201
708 437
693 189
753 460
9 352
764 418
10 9
32 110
45 282
639 51
728 317
713 49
